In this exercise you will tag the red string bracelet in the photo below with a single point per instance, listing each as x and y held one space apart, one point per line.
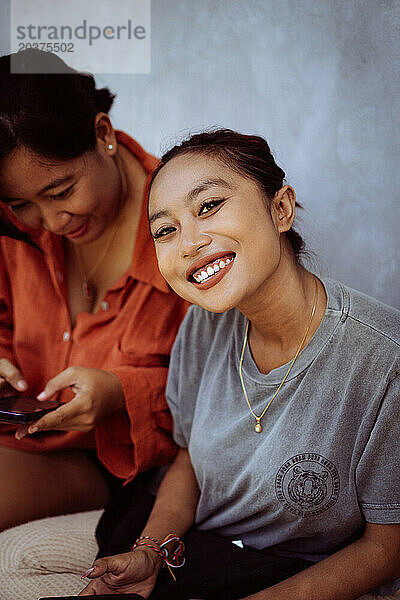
174 560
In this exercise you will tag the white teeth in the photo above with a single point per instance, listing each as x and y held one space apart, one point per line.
211 270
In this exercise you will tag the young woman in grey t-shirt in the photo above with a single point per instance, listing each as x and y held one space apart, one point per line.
283 388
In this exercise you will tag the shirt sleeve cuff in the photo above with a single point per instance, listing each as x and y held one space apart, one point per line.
139 438
383 514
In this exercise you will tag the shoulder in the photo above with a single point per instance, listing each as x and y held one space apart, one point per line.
201 325
203 334
201 344
148 161
366 339
374 319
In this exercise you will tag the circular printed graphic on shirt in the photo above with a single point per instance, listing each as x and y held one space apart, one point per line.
307 484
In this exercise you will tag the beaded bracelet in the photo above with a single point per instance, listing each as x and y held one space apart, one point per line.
176 559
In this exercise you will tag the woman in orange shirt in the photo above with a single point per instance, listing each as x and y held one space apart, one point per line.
85 315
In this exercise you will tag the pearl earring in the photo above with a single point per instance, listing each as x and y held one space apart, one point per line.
110 147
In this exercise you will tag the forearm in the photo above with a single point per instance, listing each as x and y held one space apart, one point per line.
173 512
176 502
345 575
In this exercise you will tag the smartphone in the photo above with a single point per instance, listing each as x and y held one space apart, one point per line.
19 409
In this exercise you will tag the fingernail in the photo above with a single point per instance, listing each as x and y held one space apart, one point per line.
33 429
41 396
88 572
22 385
19 436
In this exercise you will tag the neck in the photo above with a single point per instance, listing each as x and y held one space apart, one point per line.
280 310
133 181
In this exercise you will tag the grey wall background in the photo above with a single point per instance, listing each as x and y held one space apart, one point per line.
319 79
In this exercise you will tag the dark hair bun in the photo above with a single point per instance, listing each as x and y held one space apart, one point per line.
104 100
51 111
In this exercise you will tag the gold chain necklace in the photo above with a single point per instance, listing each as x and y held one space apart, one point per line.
87 288
258 427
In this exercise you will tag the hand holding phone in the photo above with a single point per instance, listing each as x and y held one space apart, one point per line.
96 394
22 410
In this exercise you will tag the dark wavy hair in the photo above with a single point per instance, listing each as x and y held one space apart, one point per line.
48 107
248 155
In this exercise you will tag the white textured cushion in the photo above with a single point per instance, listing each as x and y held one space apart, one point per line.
47 557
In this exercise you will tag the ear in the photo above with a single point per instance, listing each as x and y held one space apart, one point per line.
283 208
105 134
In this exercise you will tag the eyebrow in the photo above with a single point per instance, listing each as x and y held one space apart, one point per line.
53 184
202 186
57 182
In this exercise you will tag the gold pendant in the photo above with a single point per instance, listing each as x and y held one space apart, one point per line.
87 291
258 428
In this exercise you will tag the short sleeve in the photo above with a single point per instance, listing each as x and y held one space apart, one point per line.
378 471
183 379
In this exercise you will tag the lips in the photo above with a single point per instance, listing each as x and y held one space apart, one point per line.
78 232
209 271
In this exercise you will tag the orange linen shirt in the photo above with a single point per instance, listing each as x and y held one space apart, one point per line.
131 335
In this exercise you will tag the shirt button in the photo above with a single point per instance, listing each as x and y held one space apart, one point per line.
66 336
105 305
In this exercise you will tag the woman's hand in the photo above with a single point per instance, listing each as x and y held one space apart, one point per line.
11 376
124 573
97 394
173 511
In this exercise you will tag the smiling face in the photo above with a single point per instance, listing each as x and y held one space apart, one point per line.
218 241
76 198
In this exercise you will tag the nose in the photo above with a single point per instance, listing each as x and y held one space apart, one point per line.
192 239
54 220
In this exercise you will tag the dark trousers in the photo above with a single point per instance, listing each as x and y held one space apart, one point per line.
215 569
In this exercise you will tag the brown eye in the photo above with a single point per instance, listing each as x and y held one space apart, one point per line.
208 205
162 232
19 207
62 194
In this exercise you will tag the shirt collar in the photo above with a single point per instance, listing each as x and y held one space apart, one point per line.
144 265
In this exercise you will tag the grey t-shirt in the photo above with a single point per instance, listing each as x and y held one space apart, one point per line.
328 458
